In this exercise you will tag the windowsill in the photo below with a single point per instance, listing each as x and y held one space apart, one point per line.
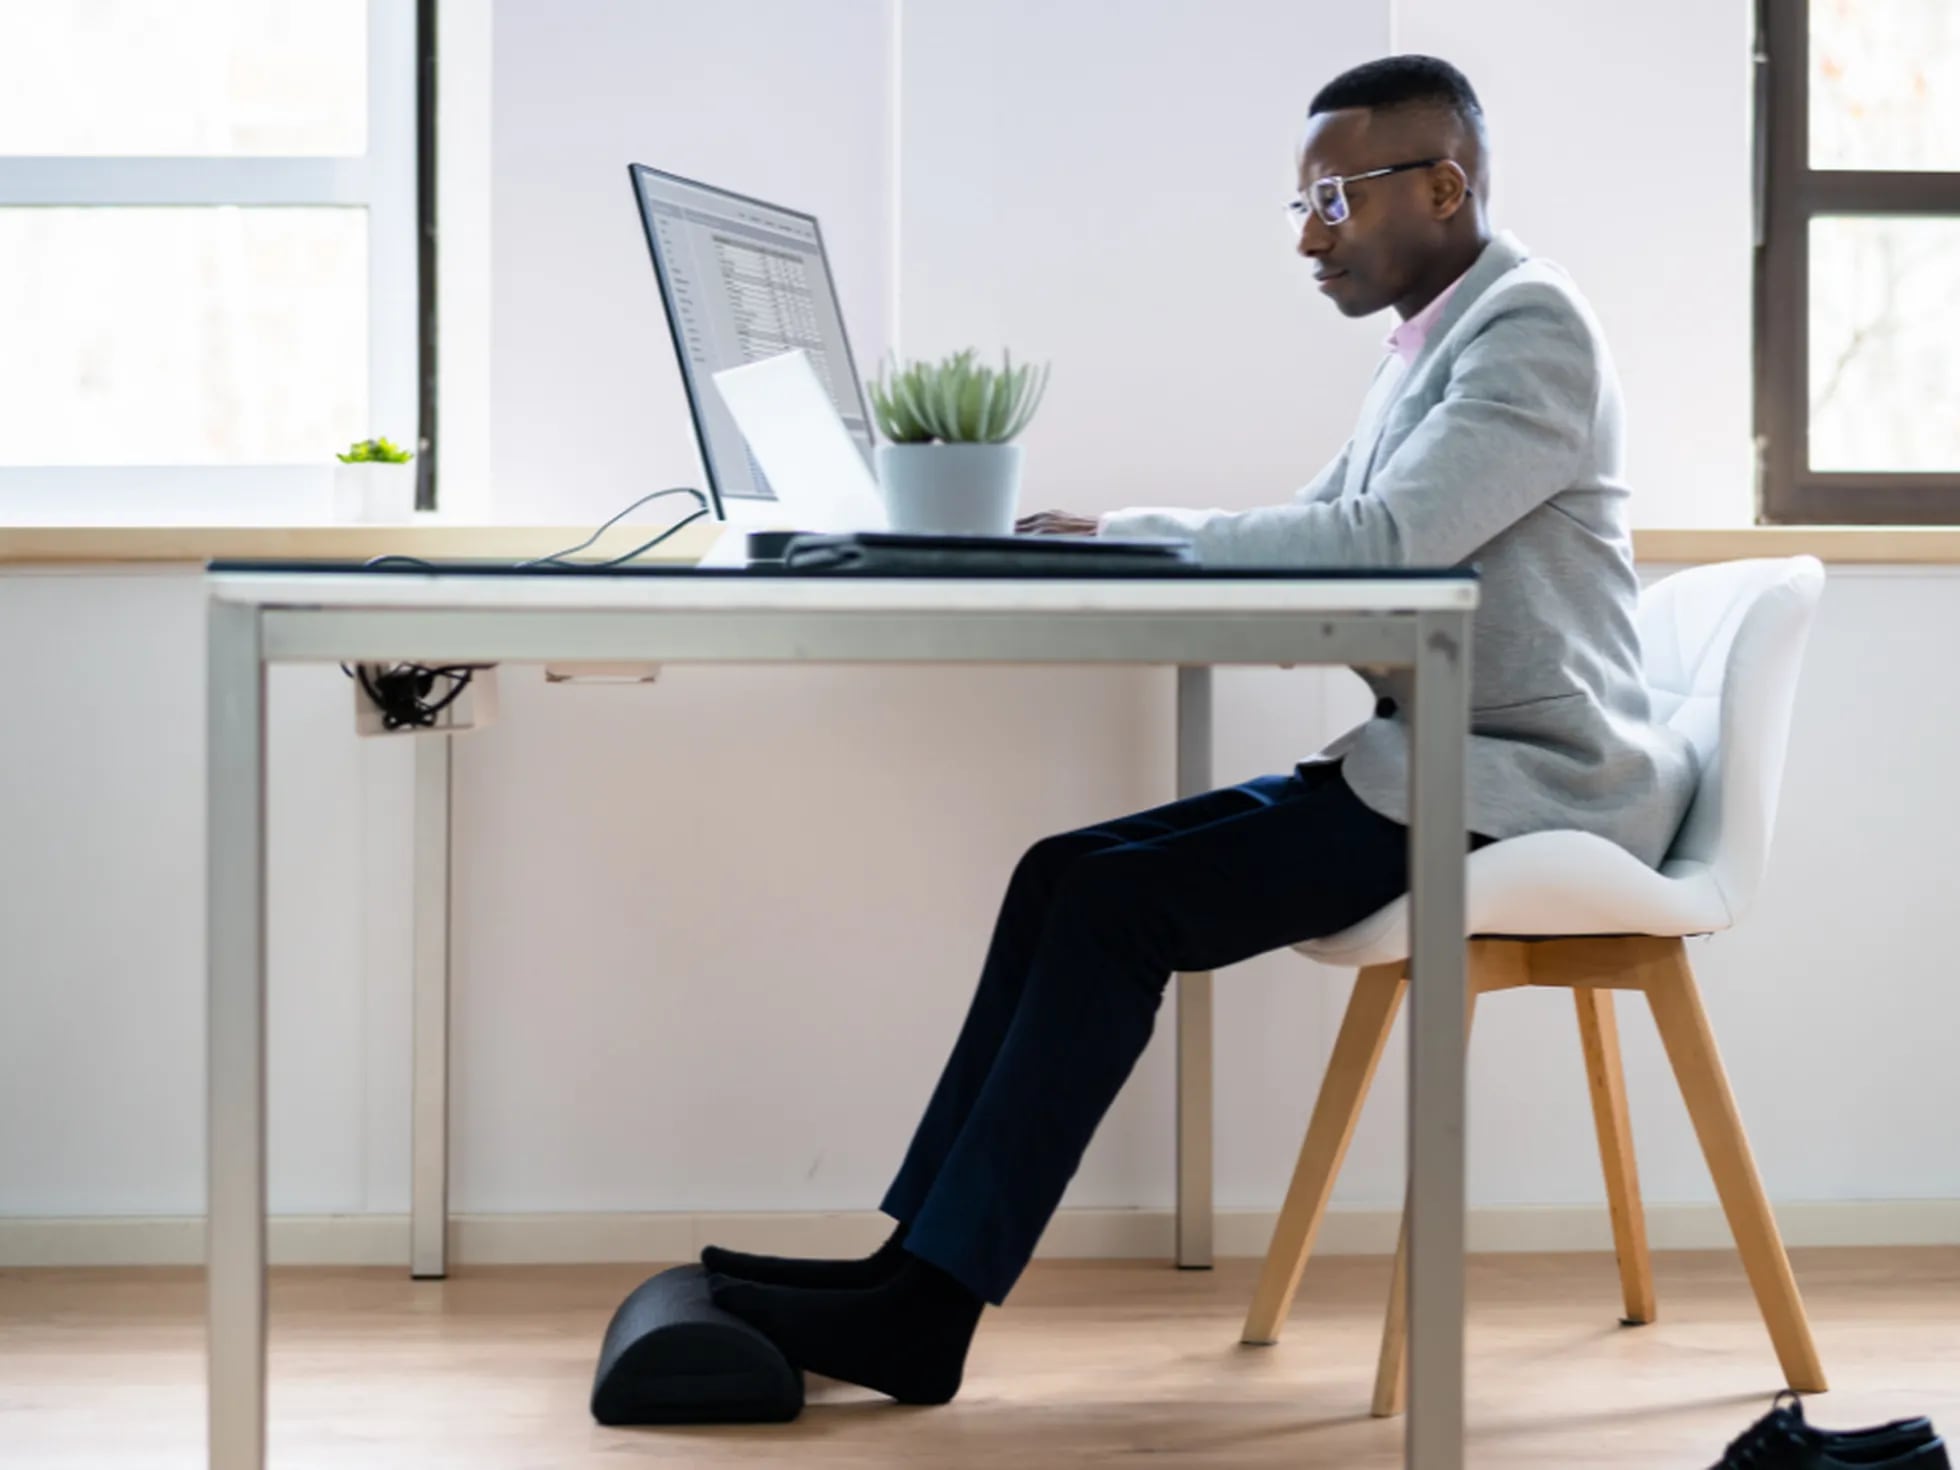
1845 545
81 545
87 545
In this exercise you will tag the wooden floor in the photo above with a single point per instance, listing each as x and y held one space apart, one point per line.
1089 1363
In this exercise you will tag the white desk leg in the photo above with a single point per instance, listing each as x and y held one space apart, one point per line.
429 1145
1194 1048
1436 1043
235 1038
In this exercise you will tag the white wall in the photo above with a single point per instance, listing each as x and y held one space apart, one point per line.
626 1032
102 909
780 99
1621 147
1107 195
715 935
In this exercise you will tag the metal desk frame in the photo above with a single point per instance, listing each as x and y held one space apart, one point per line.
257 620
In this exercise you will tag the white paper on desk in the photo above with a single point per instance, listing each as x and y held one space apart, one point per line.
797 436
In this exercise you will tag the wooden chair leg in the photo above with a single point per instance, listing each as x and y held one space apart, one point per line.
1357 1052
1690 1044
1491 968
1392 1362
1599 1034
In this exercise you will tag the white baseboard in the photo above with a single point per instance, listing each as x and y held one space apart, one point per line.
382 1240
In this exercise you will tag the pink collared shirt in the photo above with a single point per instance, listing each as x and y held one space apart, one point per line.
1406 340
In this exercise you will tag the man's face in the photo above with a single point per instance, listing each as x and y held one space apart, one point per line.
1378 254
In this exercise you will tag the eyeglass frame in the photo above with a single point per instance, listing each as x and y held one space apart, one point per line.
1299 207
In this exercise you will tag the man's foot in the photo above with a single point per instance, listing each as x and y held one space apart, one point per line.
906 1337
860 1271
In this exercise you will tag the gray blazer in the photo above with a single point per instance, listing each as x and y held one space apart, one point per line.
1501 445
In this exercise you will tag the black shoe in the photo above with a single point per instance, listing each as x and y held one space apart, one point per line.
1781 1440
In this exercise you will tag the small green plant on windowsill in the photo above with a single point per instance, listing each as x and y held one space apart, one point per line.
375 451
374 482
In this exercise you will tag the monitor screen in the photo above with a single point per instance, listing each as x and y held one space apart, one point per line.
742 281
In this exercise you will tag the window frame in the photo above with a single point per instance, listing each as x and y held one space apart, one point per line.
1789 195
383 180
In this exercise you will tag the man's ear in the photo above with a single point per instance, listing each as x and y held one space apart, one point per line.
1449 186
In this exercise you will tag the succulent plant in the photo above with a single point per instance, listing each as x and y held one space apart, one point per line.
375 451
956 400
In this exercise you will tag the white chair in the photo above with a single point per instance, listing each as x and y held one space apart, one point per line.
1568 910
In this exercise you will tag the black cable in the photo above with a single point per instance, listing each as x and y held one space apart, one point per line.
402 692
556 558
641 550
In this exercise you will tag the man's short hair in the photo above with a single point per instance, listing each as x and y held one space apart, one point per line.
1403 81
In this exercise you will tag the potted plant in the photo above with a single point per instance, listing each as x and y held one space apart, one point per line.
374 482
949 466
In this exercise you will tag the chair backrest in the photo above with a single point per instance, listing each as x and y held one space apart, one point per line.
1723 645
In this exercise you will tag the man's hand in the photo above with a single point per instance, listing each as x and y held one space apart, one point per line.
1056 523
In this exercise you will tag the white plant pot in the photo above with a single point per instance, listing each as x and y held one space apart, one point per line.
951 489
374 492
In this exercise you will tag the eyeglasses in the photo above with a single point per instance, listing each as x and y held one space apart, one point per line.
1328 197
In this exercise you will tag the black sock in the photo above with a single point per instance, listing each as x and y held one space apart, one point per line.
906 1337
804 1271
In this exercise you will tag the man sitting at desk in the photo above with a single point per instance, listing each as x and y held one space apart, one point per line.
1491 434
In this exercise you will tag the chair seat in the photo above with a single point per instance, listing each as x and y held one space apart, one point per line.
1550 884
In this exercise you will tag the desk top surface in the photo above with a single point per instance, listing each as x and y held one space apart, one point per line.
465 587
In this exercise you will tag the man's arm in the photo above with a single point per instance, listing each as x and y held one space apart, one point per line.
1324 486
1509 434
1327 484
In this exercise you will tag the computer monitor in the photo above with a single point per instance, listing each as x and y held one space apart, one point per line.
741 281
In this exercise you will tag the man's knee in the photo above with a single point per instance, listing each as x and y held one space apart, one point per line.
1122 886
1114 902
1047 862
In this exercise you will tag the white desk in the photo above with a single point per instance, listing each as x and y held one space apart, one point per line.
257 618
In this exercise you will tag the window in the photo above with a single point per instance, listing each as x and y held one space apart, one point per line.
1858 261
208 223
